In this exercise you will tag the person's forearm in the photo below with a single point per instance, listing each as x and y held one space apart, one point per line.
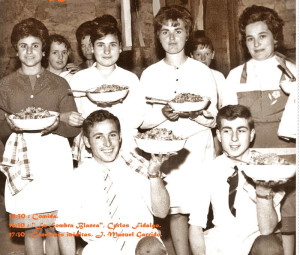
266 216
152 118
160 199
207 122
196 239
67 244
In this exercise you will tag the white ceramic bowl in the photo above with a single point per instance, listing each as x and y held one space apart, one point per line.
107 97
269 172
190 106
159 146
34 124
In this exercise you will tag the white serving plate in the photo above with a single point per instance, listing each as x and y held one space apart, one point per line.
34 124
106 97
270 172
160 146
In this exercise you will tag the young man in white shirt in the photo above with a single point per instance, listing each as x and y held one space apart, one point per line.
248 223
113 196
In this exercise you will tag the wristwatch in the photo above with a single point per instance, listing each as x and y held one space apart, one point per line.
268 196
156 175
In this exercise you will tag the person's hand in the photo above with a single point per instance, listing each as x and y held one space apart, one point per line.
169 113
74 119
72 68
184 114
12 126
54 126
157 160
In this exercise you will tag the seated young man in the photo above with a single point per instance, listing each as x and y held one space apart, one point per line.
246 213
113 196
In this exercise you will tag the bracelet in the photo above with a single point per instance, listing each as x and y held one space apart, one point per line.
267 197
156 175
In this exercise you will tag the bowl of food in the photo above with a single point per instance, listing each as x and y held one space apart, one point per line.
33 118
107 93
269 167
159 140
187 102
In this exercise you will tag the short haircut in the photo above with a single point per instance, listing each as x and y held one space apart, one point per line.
59 39
105 18
257 13
103 26
173 13
29 27
198 38
98 116
85 29
232 112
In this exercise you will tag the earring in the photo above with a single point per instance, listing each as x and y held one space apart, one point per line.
43 54
17 54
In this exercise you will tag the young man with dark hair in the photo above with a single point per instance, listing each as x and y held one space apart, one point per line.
115 192
246 213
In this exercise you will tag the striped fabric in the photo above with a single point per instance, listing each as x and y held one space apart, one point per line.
15 164
112 203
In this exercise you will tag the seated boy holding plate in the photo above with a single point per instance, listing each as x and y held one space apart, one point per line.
246 212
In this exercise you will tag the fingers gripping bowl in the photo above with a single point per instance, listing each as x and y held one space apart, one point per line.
269 167
107 93
159 140
33 118
187 102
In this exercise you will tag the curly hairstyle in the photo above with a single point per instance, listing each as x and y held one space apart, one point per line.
257 13
198 38
29 27
98 116
173 13
232 112
105 25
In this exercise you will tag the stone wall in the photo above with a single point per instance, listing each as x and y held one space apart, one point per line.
64 18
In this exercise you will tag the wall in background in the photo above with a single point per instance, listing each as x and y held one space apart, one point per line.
64 18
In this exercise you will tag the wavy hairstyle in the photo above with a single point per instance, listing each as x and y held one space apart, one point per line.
173 13
29 27
267 15
98 116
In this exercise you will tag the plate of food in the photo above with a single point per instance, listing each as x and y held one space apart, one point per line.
269 167
159 140
188 102
107 93
33 118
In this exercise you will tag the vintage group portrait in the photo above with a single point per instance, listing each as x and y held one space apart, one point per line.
157 127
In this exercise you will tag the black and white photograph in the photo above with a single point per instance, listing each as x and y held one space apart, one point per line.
149 127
